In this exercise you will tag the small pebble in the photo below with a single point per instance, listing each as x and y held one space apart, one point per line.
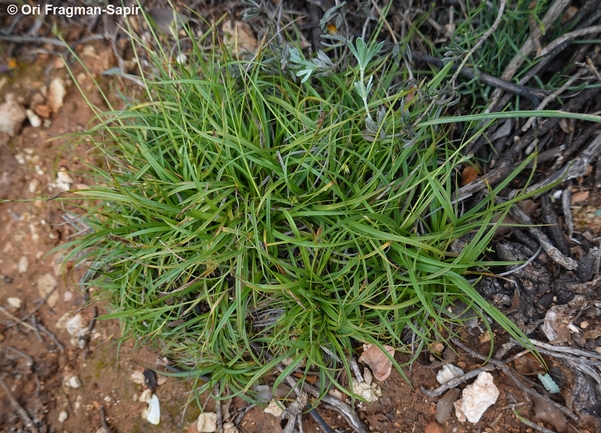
62 417
56 93
33 186
23 265
74 382
34 119
448 372
146 396
153 413
367 376
137 377
207 422
46 288
229 427
63 180
433 427
273 409
14 303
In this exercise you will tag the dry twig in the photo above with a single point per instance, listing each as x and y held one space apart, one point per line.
482 39
20 410
454 382
542 238
552 14
16 319
576 168
568 37
344 409
552 96
532 425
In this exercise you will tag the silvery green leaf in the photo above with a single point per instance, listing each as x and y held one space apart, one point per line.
341 41
369 84
371 126
323 61
249 14
353 50
381 115
339 10
295 55
408 53
361 50
306 72
359 88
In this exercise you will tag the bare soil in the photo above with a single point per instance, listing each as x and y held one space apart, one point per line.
37 367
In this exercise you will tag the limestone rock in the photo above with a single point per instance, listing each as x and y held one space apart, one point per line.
476 398
12 115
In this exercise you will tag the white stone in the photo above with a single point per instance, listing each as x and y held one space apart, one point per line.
14 303
137 377
448 372
33 186
273 409
23 265
229 427
370 393
34 119
368 377
46 284
62 417
336 394
56 94
207 422
75 325
12 115
476 398
146 396
153 413
74 382
63 180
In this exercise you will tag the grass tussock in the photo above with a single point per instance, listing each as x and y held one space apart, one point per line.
243 216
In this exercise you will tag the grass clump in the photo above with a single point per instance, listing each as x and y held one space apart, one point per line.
243 217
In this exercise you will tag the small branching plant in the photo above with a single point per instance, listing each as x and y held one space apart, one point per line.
244 216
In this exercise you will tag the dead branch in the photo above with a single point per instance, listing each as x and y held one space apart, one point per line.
20 410
576 168
552 14
567 38
542 238
526 92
